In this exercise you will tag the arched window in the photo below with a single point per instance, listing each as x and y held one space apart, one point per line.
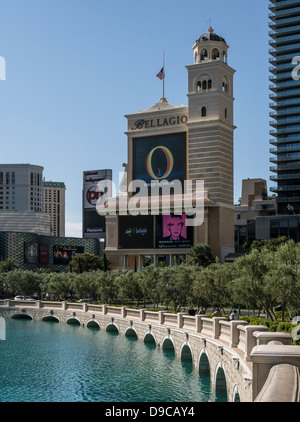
209 85
204 85
1 178
13 178
225 85
203 54
7 178
215 54
198 86
226 113
203 112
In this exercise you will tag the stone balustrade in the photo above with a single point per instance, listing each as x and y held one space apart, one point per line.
265 354
282 385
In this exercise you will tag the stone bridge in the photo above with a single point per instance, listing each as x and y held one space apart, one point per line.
246 361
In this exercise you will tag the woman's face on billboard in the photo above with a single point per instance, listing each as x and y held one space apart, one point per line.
175 227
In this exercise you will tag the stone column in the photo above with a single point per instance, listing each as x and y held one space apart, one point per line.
235 333
160 317
251 339
216 326
179 320
198 320
264 357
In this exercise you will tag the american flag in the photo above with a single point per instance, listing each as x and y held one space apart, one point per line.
161 74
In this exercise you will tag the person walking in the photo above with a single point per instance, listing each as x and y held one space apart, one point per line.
217 313
233 316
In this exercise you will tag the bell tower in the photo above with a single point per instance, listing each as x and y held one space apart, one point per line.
210 135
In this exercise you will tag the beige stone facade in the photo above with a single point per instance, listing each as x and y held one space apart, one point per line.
206 128
54 205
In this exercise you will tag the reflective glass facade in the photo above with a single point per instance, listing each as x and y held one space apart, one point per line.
285 96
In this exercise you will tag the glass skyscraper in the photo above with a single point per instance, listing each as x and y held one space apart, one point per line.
285 127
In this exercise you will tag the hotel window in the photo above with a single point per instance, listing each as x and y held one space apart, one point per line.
1 178
7 178
13 178
203 112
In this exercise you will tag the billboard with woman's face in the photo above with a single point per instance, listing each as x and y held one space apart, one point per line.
172 232
160 158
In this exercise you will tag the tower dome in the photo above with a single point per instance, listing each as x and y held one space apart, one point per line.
210 35
210 46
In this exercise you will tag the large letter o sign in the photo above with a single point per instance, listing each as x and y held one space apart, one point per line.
170 163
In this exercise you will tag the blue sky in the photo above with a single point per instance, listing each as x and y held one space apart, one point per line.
76 67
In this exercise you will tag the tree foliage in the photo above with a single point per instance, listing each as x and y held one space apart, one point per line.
84 262
200 255
265 278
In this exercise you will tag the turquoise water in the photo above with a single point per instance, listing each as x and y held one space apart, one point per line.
51 362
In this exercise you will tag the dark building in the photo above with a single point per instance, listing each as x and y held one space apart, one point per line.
285 42
31 251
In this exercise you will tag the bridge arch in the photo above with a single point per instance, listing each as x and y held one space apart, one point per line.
50 318
186 352
203 365
131 332
168 344
149 338
21 315
92 323
235 394
220 379
73 321
111 327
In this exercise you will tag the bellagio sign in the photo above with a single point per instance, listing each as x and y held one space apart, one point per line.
160 122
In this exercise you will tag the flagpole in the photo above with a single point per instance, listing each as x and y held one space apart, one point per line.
164 72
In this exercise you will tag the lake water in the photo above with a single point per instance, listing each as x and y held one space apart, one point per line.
54 362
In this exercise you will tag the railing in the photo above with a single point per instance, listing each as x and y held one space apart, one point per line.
263 349
236 334
282 385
